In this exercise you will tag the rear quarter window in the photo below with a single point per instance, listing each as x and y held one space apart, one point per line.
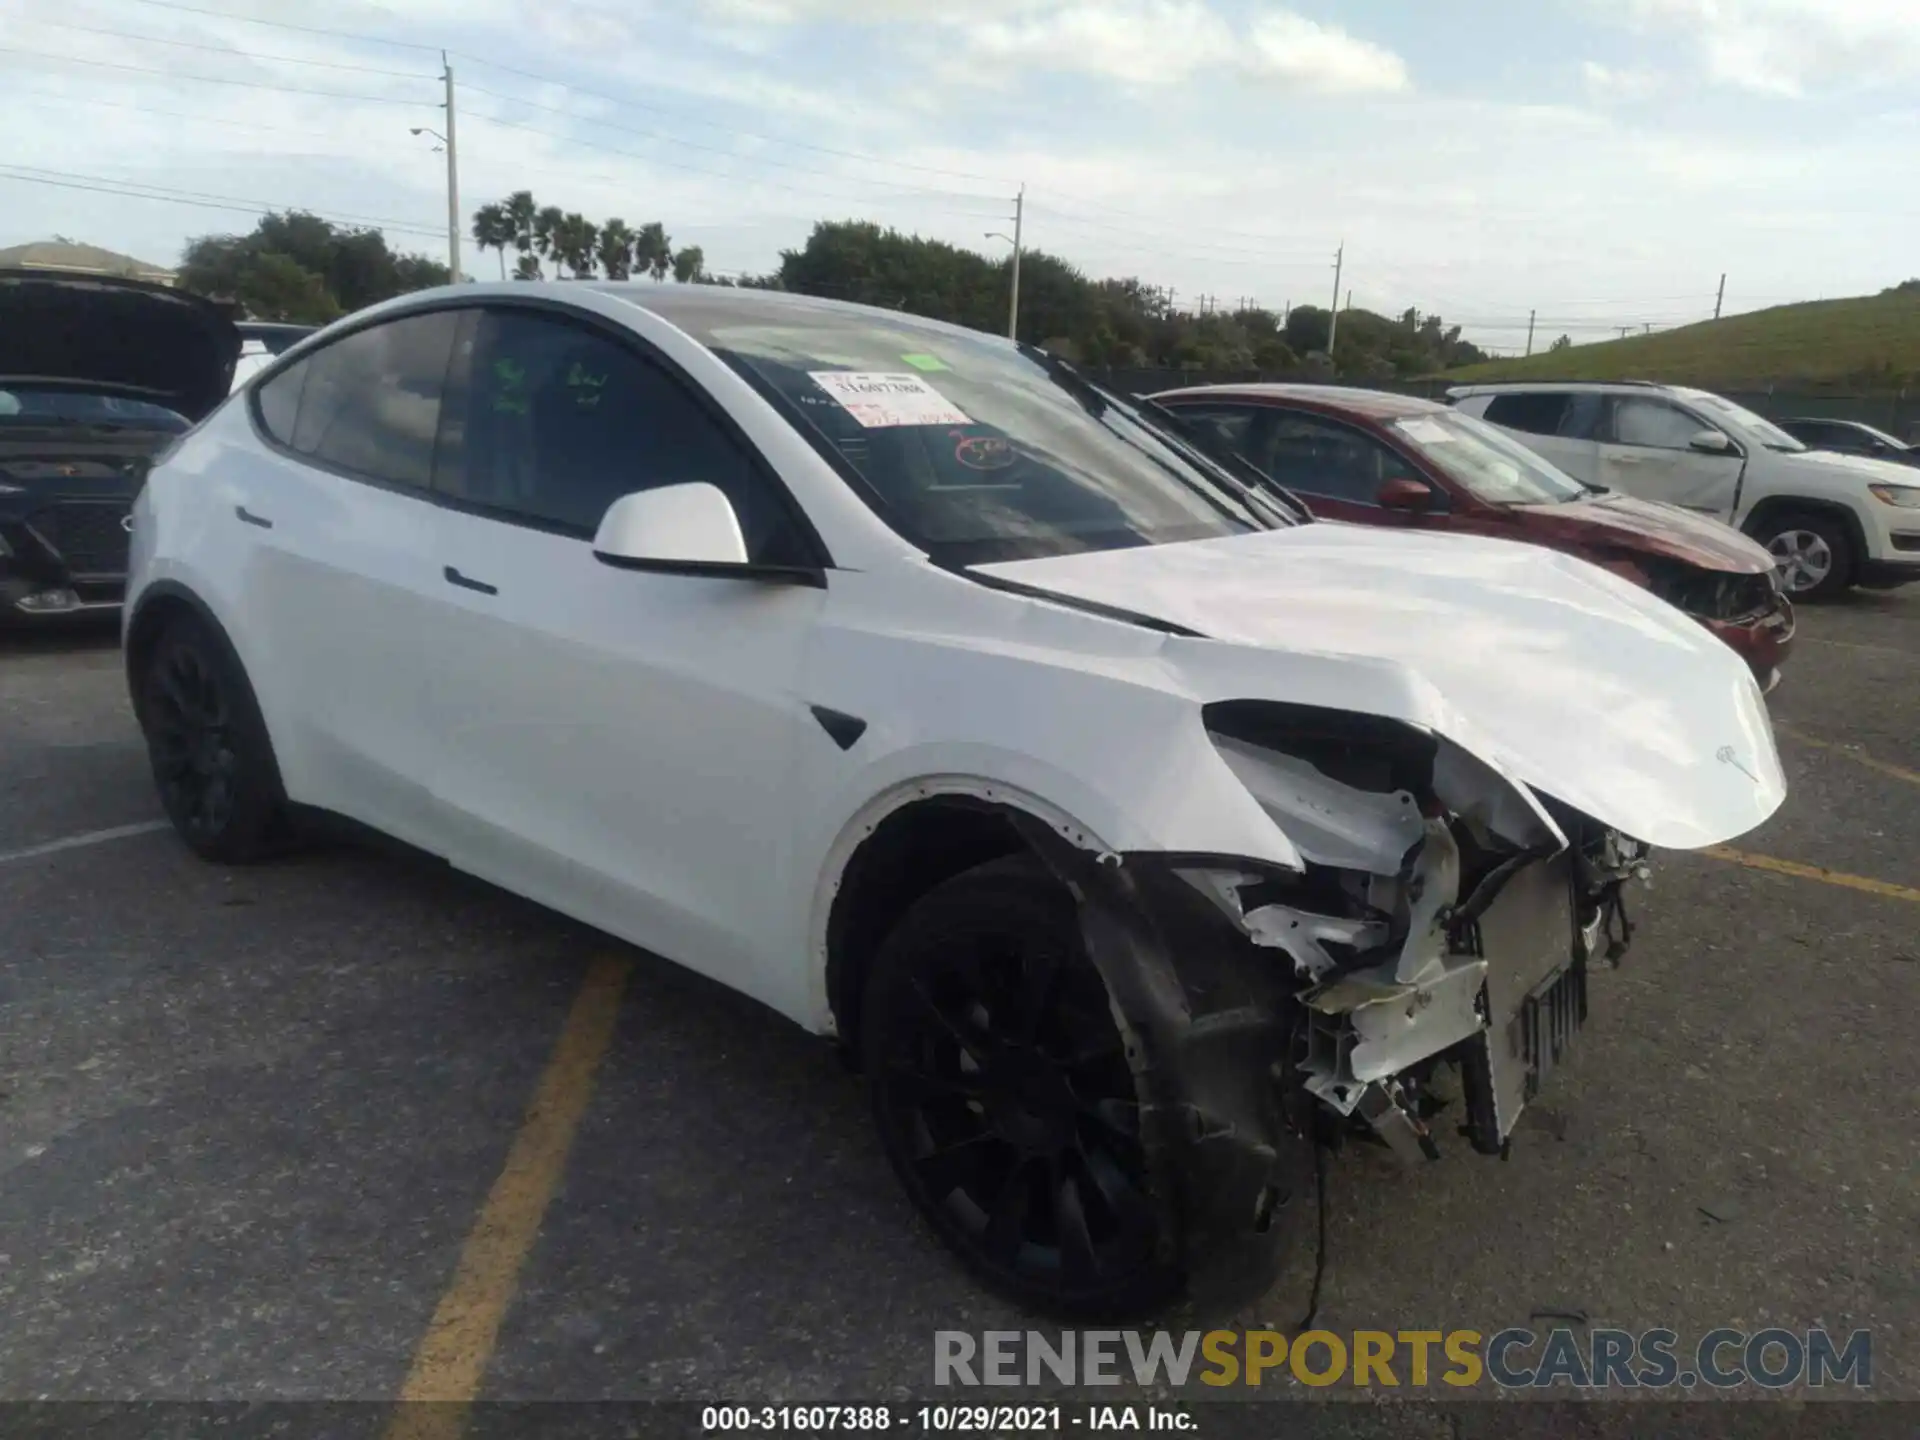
1534 412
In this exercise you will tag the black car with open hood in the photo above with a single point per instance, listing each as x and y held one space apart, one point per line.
97 376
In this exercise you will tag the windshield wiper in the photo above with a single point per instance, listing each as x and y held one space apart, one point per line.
1097 402
1257 480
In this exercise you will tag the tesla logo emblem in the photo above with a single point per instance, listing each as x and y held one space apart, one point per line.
1725 754
126 524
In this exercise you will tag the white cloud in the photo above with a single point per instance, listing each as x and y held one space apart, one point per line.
1786 47
1607 84
1319 57
1136 42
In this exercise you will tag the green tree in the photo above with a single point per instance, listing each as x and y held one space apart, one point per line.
520 211
653 251
616 249
547 221
574 244
302 268
1565 342
689 264
493 230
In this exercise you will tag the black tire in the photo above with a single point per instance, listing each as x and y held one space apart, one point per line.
1004 1098
212 761
1815 553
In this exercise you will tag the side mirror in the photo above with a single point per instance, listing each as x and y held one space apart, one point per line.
1404 494
687 529
1710 442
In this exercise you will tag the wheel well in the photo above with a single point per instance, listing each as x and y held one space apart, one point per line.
149 623
1778 507
911 851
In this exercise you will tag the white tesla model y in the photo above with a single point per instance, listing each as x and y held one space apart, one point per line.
1128 827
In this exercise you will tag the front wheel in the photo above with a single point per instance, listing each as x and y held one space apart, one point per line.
1813 553
1005 1100
208 746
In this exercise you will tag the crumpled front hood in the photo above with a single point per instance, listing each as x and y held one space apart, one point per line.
1570 679
1651 526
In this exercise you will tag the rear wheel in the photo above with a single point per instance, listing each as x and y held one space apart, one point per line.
211 758
1813 553
1004 1097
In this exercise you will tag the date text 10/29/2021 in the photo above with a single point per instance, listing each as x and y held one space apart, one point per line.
932 1419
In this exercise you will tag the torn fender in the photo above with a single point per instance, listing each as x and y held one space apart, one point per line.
1208 1035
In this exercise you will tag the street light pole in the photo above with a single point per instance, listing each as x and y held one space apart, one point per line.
1013 299
1333 315
453 181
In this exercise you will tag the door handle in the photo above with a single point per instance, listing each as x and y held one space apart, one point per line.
251 518
454 577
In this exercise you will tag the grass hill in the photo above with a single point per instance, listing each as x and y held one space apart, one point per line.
1870 342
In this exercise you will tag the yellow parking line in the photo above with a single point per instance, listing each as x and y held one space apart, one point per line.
452 1357
1813 872
1859 757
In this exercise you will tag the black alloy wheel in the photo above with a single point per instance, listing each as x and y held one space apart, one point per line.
1004 1096
208 747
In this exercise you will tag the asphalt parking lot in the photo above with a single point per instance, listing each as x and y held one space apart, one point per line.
302 1131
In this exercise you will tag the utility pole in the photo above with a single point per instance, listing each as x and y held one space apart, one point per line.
1333 315
1720 299
1013 299
453 182
1530 315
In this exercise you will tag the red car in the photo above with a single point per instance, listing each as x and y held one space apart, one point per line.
1380 459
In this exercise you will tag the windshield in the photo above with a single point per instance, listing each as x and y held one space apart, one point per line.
975 452
1495 467
1758 426
34 406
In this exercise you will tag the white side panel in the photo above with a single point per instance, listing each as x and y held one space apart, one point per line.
622 746
328 591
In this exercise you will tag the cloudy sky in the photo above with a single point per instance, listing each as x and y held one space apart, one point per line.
1600 162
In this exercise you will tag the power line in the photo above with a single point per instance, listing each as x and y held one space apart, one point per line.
223 120
135 191
730 175
289 25
232 52
710 149
214 79
543 79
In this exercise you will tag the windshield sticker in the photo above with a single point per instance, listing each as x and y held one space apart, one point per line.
1425 432
925 362
881 401
984 452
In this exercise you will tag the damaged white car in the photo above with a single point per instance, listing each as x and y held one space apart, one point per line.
1117 819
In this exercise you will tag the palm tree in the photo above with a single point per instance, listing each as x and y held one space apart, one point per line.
493 230
526 268
520 210
653 251
690 265
547 221
577 240
616 249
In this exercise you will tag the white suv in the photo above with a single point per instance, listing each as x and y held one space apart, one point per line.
1830 520
1116 817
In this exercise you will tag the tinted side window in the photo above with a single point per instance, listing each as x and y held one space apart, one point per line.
371 402
279 401
1219 427
1655 424
1535 412
1321 457
560 422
